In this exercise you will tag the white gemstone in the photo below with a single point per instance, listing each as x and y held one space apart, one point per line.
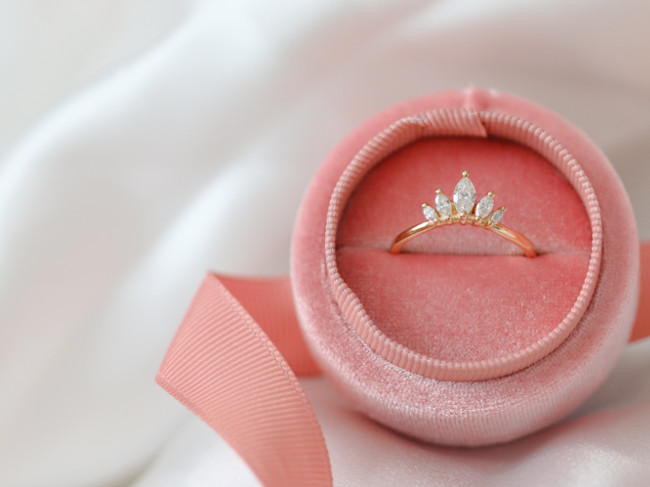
484 207
443 205
497 215
464 195
429 213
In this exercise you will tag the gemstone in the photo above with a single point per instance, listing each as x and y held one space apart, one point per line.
443 205
497 215
429 213
464 196
484 207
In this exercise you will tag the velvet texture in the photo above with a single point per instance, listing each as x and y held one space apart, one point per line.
463 295
442 123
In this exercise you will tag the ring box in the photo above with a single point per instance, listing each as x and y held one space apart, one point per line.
460 340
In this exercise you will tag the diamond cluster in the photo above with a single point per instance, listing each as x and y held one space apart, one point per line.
464 207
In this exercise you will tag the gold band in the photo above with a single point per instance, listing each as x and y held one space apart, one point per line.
509 234
464 211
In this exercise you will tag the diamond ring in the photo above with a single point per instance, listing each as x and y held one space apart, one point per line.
465 211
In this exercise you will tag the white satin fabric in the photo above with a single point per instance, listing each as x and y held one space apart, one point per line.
143 142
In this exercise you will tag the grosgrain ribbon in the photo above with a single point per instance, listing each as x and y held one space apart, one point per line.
233 362
223 367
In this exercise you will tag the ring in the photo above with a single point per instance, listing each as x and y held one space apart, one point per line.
465 211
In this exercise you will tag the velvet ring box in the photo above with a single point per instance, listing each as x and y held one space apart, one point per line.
460 339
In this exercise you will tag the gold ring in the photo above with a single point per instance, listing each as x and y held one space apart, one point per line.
465 211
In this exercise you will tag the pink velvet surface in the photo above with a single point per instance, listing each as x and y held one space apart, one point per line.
452 297
489 411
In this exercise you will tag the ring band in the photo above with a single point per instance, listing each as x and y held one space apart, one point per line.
465 211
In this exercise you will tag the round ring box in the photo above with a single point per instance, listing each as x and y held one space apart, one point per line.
460 339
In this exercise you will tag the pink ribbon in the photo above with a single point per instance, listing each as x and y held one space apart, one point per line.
233 362
223 367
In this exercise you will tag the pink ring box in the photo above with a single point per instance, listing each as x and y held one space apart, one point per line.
460 339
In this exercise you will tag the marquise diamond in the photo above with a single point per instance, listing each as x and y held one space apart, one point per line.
443 205
484 207
429 213
464 196
497 216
